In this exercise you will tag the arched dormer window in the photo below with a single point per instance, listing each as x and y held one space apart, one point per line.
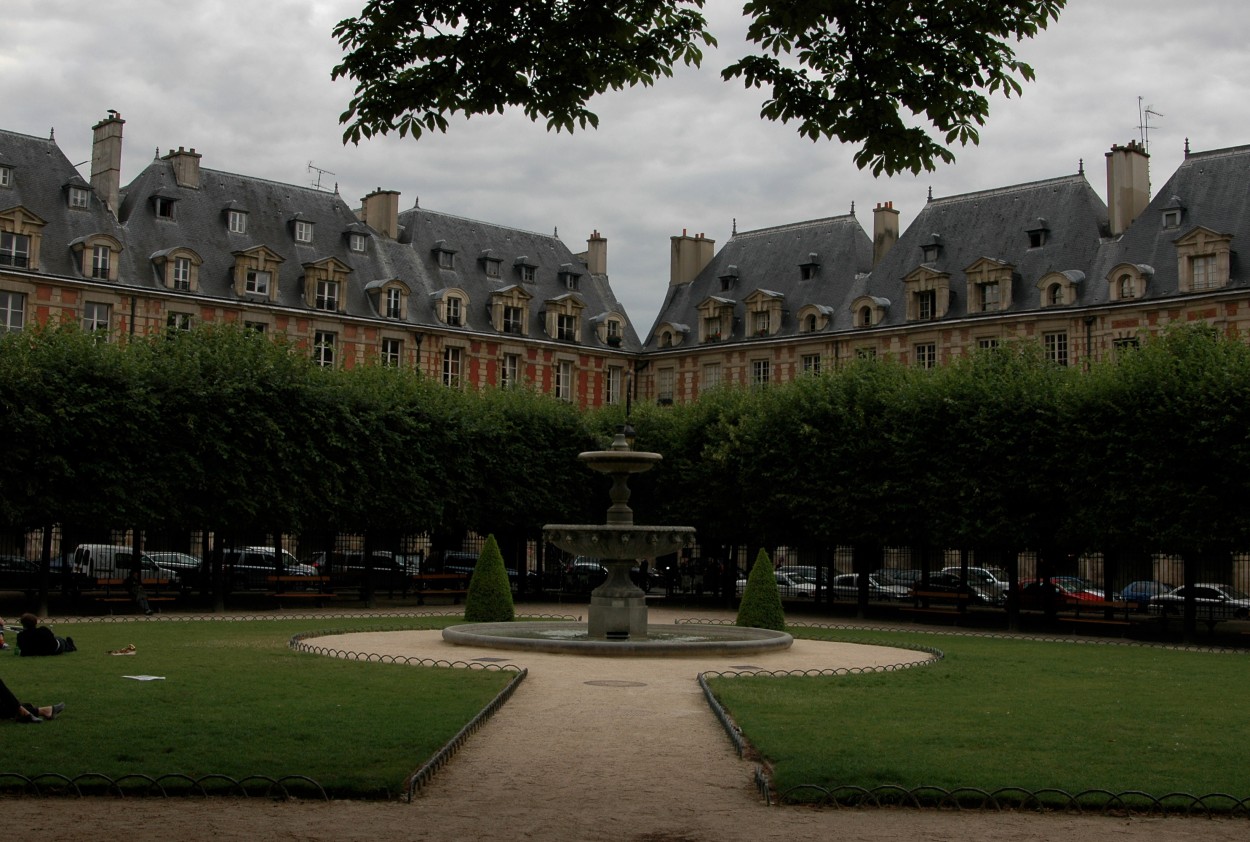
325 285
256 273
389 297
178 268
1058 289
510 309
670 334
451 306
814 317
609 328
869 310
1127 281
97 256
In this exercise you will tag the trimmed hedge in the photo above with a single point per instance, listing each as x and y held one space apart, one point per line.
761 601
490 596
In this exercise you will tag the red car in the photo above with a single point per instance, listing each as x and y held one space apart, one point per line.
1034 593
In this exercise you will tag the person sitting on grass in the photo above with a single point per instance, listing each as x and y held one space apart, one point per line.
11 708
35 639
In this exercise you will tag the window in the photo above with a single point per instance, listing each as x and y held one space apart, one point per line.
865 317
510 370
513 319
356 242
446 260
323 348
452 309
392 352
612 385
710 378
564 380
727 283
926 355
613 330
237 221
811 363
711 329
566 326
100 257
492 268
570 281
527 274
1202 271
1127 344
1126 287
257 282
1054 295
1037 238
760 323
664 386
95 317
79 197
868 353
12 311
1056 345
926 304
1172 218
6 176
178 321
182 274
164 207
451 367
991 297
258 327
394 303
987 342
303 231
761 371
14 250
327 296
807 271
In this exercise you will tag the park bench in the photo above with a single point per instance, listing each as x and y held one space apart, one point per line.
113 591
922 599
300 588
454 585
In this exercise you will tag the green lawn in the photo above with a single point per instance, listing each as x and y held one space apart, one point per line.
236 701
1002 713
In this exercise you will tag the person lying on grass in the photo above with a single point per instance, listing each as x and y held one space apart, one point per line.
11 708
35 639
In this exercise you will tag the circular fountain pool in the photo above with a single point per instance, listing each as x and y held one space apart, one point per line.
660 640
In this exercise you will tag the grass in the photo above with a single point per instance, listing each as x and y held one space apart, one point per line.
236 701
1000 713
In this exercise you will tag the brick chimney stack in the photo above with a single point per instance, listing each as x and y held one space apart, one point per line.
688 257
597 254
380 211
884 230
1128 185
186 167
106 159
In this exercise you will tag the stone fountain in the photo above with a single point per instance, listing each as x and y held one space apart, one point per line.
618 607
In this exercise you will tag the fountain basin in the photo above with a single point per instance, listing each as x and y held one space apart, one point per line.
661 640
619 541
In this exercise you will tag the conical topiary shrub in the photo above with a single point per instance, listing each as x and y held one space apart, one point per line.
761 601
490 595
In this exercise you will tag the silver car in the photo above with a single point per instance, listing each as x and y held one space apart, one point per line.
846 586
1213 601
791 587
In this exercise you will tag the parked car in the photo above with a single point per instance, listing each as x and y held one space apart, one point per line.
985 579
790 587
809 573
947 587
846 586
18 574
1079 584
1213 601
248 568
114 561
348 569
1058 591
1138 594
186 566
898 576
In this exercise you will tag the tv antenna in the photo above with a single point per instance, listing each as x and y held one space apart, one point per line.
1143 123
320 172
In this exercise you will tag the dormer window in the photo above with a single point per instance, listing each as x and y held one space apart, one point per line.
1203 260
764 312
869 310
566 327
1038 234
357 242
236 221
178 268
303 231
759 323
728 279
79 197
808 270
932 249
1173 213
163 207
491 265
613 332
513 320
864 319
452 311
98 255
445 256
389 297
324 282
569 278
527 270
451 306
6 176
14 250
256 273
257 282
394 308
1060 288
711 329
563 320
327 296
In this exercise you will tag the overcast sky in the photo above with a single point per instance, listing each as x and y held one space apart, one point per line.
247 83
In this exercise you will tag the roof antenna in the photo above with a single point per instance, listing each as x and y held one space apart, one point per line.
316 185
1143 123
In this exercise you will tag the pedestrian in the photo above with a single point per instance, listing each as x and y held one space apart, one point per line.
11 708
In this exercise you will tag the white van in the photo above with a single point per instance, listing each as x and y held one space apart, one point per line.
113 561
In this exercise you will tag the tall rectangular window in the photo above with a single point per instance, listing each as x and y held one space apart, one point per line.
761 372
256 282
100 256
237 222
453 309
564 380
323 348
926 304
6 176
1056 344
1203 269
527 274
357 242
12 311
14 250
182 273
926 355
95 316
811 363
446 260
612 385
566 327
760 323
394 303
710 377
392 352
327 296
991 294
451 367
513 320
510 370
664 386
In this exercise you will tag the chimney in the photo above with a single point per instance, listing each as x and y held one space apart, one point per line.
186 167
380 211
689 256
597 254
884 230
106 159
1128 185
